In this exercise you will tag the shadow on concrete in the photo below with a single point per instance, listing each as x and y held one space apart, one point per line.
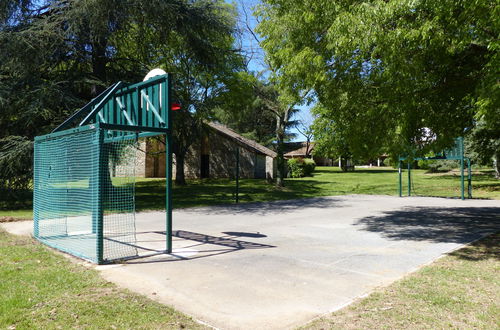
244 234
271 208
206 246
221 241
446 225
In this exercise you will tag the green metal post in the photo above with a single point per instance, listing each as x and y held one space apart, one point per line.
167 101
400 170
237 197
469 179
462 183
409 178
98 194
168 206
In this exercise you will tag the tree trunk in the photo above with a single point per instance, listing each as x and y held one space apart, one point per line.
496 165
308 144
98 65
280 159
180 179
343 164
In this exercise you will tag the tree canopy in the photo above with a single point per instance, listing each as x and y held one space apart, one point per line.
243 108
58 54
389 73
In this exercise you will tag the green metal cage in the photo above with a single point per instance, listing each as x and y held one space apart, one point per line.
84 176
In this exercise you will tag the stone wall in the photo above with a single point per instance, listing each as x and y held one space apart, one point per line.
221 153
192 162
271 167
132 161
140 165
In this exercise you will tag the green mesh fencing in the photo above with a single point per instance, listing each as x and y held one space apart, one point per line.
84 185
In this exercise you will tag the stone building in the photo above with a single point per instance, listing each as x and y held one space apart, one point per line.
214 156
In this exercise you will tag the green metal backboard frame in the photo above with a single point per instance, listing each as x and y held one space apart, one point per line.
122 112
455 153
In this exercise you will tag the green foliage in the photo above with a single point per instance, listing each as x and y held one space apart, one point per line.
385 71
435 166
482 144
424 164
295 168
57 55
389 162
300 167
244 107
16 156
309 166
270 109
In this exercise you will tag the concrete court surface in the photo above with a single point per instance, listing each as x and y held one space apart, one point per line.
280 264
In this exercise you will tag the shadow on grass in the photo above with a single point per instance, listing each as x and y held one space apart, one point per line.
442 225
487 248
490 185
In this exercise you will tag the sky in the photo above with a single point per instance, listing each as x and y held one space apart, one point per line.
256 55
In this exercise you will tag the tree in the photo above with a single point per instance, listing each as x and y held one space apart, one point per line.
268 114
243 109
483 145
330 142
199 84
282 106
304 127
389 71
274 100
56 55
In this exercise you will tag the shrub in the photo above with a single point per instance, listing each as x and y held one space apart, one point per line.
295 168
424 164
309 166
388 162
435 166
299 167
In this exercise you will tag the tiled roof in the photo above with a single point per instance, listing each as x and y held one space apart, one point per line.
250 144
300 151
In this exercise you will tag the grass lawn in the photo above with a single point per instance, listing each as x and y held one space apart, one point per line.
41 289
326 181
459 291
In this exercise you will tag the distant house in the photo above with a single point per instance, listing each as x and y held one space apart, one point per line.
214 156
301 150
304 150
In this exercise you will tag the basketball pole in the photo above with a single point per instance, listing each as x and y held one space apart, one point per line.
462 178
167 96
469 179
